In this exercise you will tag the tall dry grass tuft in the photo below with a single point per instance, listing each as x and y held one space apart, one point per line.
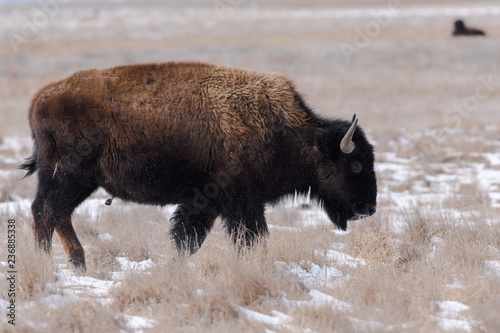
371 242
300 243
124 230
466 246
250 280
217 315
162 284
473 196
421 225
129 239
77 316
210 309
320 319
247 276
35 268
487 311
408 254
101 258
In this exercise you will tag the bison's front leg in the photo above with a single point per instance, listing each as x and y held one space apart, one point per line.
191 227
246 225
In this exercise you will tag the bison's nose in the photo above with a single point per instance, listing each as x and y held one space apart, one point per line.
371 210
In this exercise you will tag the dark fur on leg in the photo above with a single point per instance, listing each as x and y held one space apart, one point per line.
246 225
190 228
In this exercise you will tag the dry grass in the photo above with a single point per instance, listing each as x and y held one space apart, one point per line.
36 271
78 316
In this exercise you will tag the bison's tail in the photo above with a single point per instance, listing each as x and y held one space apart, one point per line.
30 164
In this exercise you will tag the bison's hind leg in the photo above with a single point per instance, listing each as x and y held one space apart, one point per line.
191 227
57 197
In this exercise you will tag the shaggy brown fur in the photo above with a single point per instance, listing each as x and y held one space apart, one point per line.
216 140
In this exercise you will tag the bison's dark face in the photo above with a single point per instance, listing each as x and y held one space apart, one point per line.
347 181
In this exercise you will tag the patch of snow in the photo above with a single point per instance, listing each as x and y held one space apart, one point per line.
91 207
312 275
283 227
396 172
200 293
322 299
492 222
3 306
486 177
494 265
366 325
7 174
495 199
436 244
12 208
56 300
83 284
315 217
105 237
449 319
128 265
344 259
390 157
407 199
16 144
318 299
137 323
493 158
456 284
453 325
452 306
117 276
14 161
460 215
278 318
491 249
169 210
398 226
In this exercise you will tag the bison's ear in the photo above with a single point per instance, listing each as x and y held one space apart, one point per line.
319 135
322 142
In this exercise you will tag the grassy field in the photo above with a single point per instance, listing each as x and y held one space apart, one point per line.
429 260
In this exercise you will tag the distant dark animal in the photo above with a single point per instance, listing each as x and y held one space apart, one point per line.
218 141
462 30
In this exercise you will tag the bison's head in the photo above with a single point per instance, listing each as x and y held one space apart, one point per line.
347 185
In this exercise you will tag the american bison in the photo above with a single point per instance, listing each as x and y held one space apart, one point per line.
218 141
462 30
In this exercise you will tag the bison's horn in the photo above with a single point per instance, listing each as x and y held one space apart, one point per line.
346 145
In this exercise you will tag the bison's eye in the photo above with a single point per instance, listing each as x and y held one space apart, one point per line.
356 167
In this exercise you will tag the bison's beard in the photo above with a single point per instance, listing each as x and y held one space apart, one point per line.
338 214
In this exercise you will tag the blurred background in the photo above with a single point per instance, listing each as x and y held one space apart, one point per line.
394 63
